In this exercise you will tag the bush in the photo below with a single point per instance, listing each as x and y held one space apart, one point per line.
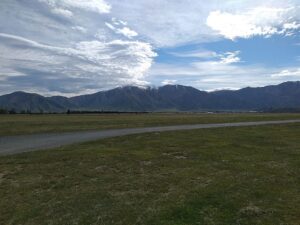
3 111
12 111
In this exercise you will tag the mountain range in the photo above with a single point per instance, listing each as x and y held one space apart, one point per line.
166 98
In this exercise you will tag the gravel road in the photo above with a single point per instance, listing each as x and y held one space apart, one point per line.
25 143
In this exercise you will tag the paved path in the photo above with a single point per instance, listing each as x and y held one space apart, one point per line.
26 143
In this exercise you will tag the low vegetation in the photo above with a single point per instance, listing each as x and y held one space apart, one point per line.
29 124
226 176
3 111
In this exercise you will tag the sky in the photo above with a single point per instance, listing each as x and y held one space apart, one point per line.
68 47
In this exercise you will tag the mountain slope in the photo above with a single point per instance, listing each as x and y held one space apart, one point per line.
21 101
285 95
166 98
121 99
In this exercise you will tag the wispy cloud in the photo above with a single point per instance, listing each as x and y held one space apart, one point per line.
98 6
213 57
120 28
202 54
293 72
62 12
209 75
113 63
82 46
70 49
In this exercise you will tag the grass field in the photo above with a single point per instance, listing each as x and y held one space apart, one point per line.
29 124
227 176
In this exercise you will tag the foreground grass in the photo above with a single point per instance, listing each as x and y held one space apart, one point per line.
242 176
29 124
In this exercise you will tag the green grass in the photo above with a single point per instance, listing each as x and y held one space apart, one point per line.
225 176
29 124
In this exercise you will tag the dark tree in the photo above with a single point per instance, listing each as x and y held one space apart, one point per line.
3 111
12 111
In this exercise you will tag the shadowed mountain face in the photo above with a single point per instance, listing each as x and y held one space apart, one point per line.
21 101
166 98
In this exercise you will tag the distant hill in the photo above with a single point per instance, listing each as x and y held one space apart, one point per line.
166 98
21 101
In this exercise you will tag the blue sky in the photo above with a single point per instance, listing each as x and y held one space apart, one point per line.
66 47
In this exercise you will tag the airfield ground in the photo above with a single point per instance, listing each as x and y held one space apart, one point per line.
33 124
241 175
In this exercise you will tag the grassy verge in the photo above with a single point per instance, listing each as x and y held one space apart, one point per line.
29 124
243 176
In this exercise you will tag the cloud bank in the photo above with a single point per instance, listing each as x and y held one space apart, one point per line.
76 51
70 47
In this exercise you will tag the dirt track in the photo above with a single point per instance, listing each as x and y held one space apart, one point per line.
25 143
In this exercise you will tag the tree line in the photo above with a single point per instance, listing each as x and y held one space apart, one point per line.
13 111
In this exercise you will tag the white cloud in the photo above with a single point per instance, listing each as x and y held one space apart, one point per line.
168 82
202 54
262 21
98 6
72 55
79 28
230 57
122 62
110 26
295 72
291 26
125 31
118 22
62 12
213 75
214 57
131 58
167 23
67 46
29 42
